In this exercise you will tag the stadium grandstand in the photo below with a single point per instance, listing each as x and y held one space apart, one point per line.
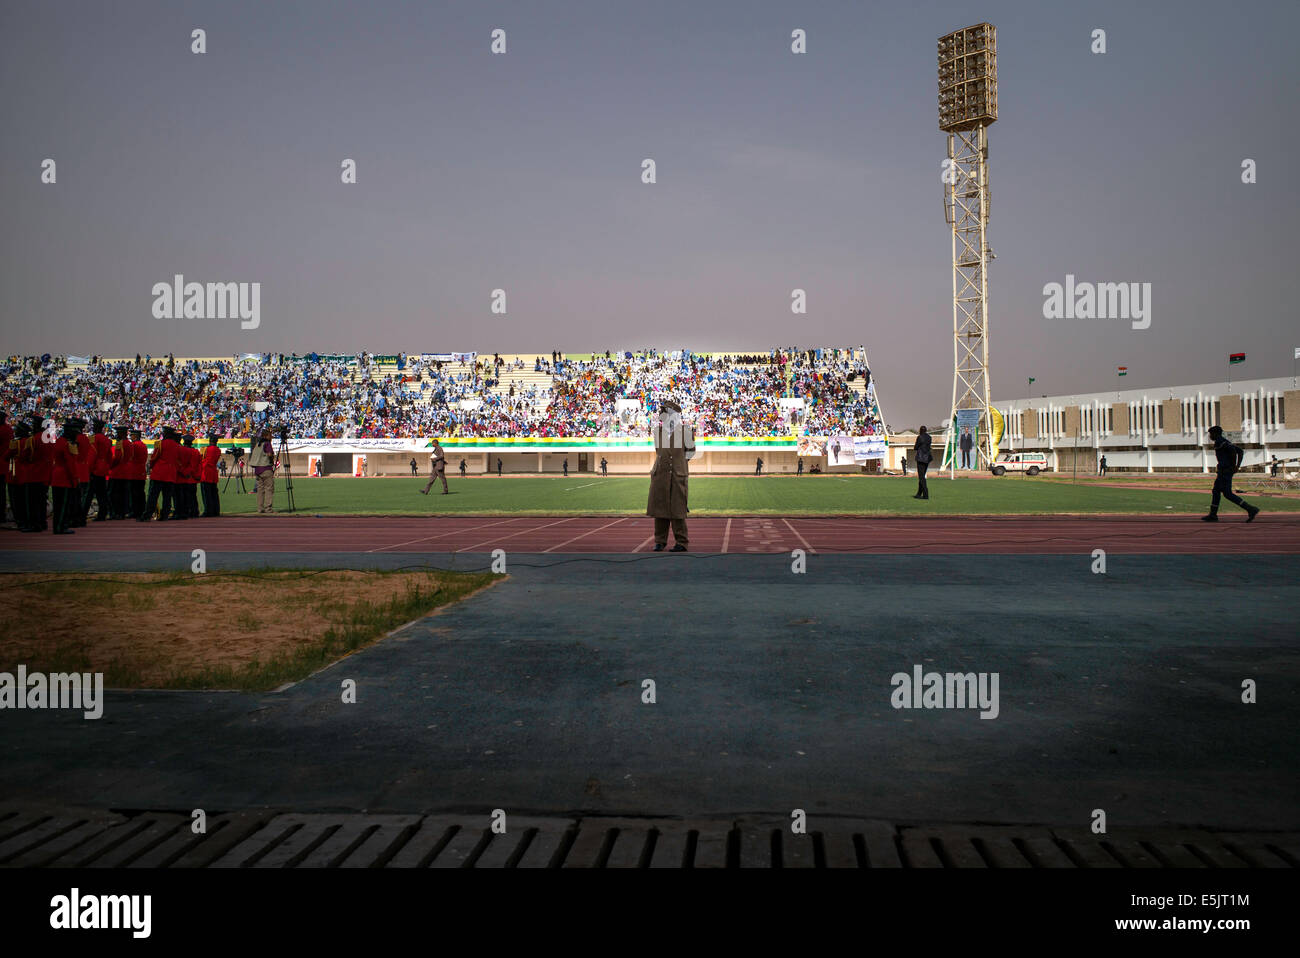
368 414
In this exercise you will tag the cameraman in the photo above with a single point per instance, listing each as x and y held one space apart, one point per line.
261 456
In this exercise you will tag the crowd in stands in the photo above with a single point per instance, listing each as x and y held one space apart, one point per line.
364 396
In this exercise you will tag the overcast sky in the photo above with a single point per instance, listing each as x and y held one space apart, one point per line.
523 171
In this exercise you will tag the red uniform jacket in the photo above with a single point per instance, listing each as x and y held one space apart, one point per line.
166 460
16 473
139 459
6 437
85 458
38 456
189 469
120 462
103 455
211 456
64 464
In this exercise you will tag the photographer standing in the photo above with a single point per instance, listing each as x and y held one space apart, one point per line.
262 458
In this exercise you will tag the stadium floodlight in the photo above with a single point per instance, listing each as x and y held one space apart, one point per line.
968 103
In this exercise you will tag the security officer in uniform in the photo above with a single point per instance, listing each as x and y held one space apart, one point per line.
667 503
164 466
6 437
16 475
99 467
119 468
136 475
208 478
65 460
1229 457
36 457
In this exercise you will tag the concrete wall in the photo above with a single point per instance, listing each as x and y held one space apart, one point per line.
1171 416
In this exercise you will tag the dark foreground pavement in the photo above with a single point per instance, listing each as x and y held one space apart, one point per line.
1119 692
37 838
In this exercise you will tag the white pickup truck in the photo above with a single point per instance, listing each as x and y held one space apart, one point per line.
1030 463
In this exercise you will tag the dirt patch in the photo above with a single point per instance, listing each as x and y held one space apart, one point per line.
228 630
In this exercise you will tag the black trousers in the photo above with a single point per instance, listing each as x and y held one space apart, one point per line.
80 503
118 495
36 493
157 490
211 500
18 500
99 492
922 489
1223 487
67 507
965 459
135 497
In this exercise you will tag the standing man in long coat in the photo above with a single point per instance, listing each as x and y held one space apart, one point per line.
674 447
437 468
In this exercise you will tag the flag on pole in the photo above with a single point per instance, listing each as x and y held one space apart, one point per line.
1121 370
1033 380
1236 358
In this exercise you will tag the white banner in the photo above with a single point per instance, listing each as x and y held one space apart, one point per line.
839 450
868 447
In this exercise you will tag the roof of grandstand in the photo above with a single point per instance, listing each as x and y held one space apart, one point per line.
782 392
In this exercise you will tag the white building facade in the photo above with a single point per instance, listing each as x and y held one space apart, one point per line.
1163 429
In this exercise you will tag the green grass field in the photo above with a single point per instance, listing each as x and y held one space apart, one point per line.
586 494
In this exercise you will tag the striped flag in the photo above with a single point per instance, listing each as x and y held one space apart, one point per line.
1121 370
1235 358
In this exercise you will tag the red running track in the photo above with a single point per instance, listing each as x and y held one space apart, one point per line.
1025 535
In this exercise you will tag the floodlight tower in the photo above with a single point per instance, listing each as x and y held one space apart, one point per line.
968 103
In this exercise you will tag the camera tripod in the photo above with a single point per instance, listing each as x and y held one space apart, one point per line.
236 471
283 455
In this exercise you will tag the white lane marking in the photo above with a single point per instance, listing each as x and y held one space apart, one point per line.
726 536
584 485
442 535
644 544
585 534
519 533
799 537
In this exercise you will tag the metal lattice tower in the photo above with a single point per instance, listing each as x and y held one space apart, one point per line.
968 103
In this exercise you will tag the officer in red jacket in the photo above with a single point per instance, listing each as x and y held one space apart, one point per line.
16 474
37 458
136 474
164 467
187 480
6 437
99 467
211 456
119 465
65 462
85 460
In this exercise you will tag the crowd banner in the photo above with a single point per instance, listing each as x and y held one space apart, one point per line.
314 466
812 446
839 450
868 447
358 465
463 357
